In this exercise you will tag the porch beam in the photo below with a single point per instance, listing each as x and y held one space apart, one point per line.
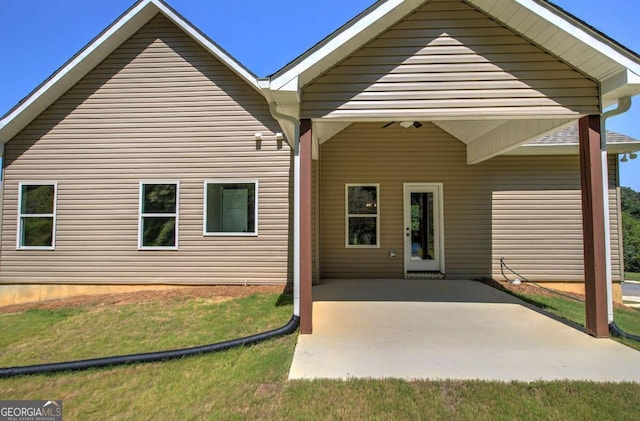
593 226
306 300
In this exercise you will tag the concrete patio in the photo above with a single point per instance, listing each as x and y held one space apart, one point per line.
447 329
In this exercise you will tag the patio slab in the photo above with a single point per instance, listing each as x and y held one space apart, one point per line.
447 329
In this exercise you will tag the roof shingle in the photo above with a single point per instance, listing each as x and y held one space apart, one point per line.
569 135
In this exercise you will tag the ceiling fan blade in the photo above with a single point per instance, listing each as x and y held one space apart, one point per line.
388 124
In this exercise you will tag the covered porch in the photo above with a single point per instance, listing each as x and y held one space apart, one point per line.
447 329
468 228
484 74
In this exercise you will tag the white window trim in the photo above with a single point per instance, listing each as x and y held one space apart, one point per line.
206 204
355 215
175 215
19 246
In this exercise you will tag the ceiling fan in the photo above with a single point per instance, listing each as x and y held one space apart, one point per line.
405 124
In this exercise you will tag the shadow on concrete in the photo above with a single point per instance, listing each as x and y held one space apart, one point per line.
423 290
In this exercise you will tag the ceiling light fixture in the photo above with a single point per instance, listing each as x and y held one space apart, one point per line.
633 155
407 124
624 158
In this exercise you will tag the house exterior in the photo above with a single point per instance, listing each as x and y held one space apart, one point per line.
409 143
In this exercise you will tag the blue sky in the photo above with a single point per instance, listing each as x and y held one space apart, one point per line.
38 36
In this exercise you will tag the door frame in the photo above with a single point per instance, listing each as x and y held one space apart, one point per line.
406 219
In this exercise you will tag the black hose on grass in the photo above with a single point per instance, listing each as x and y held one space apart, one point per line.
287 329
614 330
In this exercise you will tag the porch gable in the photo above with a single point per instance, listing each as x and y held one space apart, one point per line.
450 61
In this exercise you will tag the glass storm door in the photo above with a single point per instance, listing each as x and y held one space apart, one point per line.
422 230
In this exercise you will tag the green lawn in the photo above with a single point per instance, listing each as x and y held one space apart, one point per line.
628 319
632 276
250 383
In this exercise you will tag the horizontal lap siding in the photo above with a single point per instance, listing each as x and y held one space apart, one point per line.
159 108
449 59
479 225
539 232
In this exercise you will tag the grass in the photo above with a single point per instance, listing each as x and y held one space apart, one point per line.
632 276
250 383
627 318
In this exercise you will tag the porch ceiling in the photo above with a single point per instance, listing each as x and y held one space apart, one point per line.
484 138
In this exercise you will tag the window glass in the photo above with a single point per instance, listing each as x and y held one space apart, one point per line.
362 216
363 199
230 208
159 198
37 199
158 231
37 216
158 217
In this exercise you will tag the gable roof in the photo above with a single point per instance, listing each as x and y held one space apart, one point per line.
615 70
576 43
97 50
614 67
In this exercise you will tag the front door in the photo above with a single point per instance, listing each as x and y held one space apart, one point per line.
423 251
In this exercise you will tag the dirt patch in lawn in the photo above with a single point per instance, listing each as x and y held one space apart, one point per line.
526 288
212 293
529 289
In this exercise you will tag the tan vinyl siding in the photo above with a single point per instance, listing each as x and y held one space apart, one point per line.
448 59
159 108
539 232
480 203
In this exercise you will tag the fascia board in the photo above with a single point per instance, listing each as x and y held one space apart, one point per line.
76 68
625 83
344 42
578 31
209 45
570 149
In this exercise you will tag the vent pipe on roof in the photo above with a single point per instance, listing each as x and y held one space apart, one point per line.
624 104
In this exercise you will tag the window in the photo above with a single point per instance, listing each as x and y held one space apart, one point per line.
158 224
362 214
37 216
231 207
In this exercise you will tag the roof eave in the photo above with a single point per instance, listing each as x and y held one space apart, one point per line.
356 33
570 149
579 30
96 51
341 43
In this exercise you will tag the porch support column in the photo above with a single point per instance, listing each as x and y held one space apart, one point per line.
593 227
306 300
